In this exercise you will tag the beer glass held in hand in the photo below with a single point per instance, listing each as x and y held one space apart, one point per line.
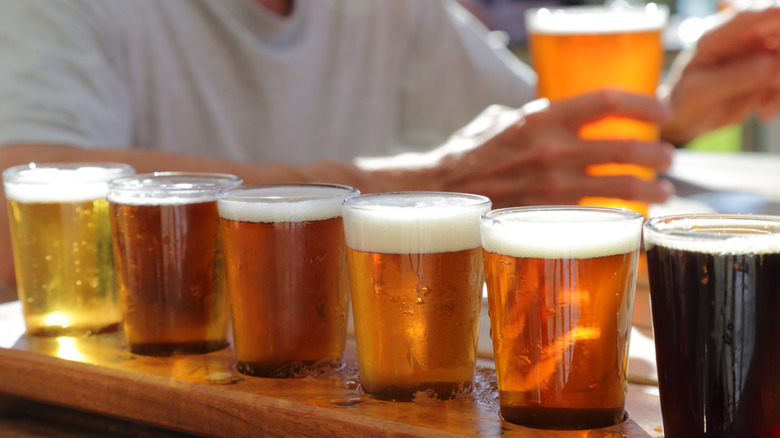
61 237
416 273
561 284
576 50
169 261
715 295
287 279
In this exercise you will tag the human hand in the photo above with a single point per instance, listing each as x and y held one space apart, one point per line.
533 155
733 71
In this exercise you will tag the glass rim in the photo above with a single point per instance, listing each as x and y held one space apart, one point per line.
357 202
656 225
625 213
14 174
178 182
654 16
242 193
652 7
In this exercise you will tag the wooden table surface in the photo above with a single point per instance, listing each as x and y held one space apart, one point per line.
203 395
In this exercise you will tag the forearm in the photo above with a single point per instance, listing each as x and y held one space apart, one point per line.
150 160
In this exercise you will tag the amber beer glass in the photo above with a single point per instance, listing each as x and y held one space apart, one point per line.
576 50
169 261
287 277
715 294
61 238
416 274
561 284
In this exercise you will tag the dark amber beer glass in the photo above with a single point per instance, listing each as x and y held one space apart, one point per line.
416 275
287 277
715 295
169 261
561 284
576 50
61 238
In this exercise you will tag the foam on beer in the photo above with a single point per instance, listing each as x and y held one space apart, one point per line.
414 224
559 234
718 236
160 198
48 184
584 20
284 204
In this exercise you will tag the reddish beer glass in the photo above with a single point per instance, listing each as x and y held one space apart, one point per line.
287 279
169 261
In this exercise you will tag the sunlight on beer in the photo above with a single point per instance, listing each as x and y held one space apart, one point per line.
68 349
57 319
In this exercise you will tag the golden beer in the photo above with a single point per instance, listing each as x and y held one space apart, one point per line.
560 293
416 277
169 261
61 240
287 279
577 50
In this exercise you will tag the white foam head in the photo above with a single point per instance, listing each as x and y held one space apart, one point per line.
283 203
414 222
561 232
61 182
169 188
596 19
715 234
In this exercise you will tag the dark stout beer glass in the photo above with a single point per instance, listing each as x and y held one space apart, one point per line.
287 279
561 283
416 276
61 238
715 294
169 261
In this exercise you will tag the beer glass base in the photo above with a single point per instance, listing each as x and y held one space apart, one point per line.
287 370
429 390
55 331
562 418
169 349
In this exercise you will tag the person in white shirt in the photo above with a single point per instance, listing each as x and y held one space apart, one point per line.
381 95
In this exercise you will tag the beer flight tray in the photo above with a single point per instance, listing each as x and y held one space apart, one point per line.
204 395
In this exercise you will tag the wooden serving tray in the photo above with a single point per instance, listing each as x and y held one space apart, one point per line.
202 394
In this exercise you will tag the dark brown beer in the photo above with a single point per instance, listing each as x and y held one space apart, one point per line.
715 321
287 280
416 276
560 291
170 277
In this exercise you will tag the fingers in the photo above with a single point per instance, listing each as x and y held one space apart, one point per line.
580 110
657 156
627 188
746 31
746 75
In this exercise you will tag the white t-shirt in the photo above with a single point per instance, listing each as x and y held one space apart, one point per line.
225 78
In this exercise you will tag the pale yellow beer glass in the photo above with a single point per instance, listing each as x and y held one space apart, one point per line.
576 50
561 284
169 261
416 274
287 278
61 239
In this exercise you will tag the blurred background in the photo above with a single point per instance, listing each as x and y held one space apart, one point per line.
687 22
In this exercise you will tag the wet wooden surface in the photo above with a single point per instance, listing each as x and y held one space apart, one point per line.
204 395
